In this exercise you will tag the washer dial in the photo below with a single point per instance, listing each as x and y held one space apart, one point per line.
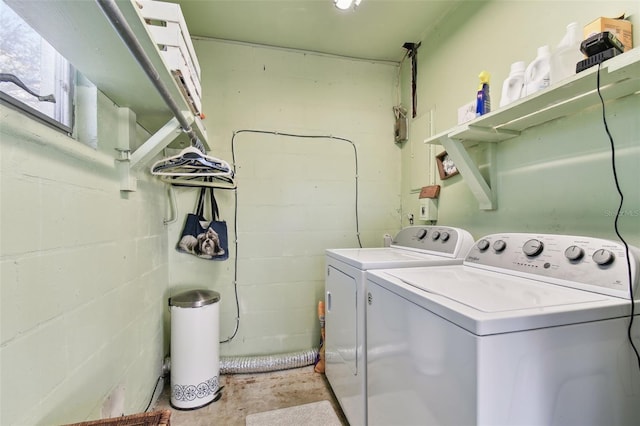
435 235
603 257
574 253
421 234
533 247
499 246
483 244
444 236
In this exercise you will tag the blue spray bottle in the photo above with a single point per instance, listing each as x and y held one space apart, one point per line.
483 103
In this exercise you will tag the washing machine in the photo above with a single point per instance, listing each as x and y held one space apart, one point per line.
345 308
529 330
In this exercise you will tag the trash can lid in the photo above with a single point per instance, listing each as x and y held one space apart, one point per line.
194 298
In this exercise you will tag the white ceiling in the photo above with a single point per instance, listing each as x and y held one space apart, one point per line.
376 30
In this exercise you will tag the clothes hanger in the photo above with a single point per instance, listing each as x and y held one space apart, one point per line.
191 162
221 182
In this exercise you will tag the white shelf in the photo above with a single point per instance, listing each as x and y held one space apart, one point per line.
619 76
80 31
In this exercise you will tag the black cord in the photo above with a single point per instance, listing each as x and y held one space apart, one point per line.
615 222
235 261
235 191
153 394
268 132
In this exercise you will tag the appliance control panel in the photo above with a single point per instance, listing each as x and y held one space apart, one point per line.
587 263
439 239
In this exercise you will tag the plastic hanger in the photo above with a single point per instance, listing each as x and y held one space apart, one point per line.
221 182
191 162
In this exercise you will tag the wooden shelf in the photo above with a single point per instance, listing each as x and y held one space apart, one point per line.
619 76
80 31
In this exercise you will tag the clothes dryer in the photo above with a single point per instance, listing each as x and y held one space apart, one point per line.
530 330
345 307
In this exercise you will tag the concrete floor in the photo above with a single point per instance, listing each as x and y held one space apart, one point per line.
245 394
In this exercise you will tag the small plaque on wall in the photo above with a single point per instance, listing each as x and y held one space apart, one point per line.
446 167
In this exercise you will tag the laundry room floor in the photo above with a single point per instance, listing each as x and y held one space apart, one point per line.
245 394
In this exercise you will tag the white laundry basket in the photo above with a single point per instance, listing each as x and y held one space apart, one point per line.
195 344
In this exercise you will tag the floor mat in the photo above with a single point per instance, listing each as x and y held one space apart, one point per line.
315 414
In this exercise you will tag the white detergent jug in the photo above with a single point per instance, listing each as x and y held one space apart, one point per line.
512 86
567 54
536 76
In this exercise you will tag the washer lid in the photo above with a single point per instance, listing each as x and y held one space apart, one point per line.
387 257
485 302
194 298
498 293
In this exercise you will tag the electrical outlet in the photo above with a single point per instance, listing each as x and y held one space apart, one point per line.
428 209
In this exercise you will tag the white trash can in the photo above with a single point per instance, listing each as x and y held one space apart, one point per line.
195 345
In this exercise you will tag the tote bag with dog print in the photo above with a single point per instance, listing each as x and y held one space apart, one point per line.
206 239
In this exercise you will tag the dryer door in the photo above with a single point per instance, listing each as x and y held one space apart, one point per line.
345 364
340 324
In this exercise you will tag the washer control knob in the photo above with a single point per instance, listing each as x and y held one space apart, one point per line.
444 236
483 244
435 235
603 257
533 247
421 234
499 246
574 253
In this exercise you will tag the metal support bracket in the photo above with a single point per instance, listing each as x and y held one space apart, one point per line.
158 141
129 162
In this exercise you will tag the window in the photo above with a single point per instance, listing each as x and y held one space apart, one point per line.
33 75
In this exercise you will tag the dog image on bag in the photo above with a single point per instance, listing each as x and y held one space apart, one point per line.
205 245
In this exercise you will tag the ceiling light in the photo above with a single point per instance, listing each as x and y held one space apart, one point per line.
346 4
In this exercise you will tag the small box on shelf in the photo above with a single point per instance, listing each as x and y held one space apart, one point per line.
620 27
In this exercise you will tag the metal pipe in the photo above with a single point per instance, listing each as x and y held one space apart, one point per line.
119 23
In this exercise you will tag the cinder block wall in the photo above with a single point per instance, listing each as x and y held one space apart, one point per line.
296 196
83 278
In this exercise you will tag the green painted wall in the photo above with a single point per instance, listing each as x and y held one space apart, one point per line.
83 273
86 270
296 196
555 178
